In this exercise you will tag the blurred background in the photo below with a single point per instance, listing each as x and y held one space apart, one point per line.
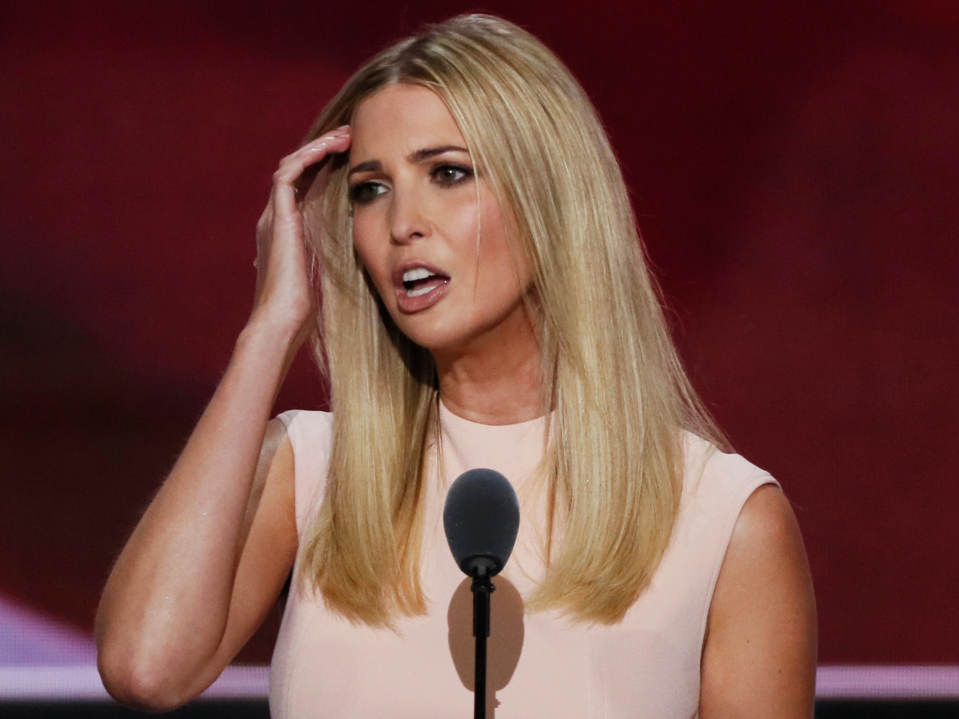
794 167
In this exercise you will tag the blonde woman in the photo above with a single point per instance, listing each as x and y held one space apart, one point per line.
485 302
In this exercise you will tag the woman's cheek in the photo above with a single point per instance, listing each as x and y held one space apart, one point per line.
382 289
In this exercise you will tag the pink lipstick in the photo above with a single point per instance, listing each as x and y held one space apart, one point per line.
419 286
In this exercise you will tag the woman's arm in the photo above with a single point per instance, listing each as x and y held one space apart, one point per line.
759 658
210 554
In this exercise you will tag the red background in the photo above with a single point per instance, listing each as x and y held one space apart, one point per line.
794 165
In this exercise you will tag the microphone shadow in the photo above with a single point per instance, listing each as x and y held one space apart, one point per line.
505 643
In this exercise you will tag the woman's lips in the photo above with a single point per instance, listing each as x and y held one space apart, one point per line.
435 291
419 286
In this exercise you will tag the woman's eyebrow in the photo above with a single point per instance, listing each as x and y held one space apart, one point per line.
429 152
414 157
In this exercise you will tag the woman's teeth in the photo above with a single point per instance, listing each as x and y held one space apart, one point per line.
420 273
421 291
414 285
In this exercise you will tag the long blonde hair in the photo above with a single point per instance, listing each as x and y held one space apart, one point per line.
611 376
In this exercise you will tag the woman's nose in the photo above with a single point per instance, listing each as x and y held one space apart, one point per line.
408 220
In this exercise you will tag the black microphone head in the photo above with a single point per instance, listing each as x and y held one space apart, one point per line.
481 518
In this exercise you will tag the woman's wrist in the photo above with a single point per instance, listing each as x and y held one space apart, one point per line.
265 329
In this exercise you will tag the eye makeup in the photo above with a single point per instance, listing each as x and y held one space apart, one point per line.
444 174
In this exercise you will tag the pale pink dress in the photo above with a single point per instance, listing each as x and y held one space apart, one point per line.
541 665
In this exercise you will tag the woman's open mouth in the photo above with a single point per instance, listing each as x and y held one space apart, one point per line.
421 281
420 287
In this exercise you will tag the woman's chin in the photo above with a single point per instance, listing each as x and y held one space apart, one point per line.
436 342
441 337
451 333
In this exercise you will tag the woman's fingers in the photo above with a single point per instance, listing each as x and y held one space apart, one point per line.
281 207
283 285
292 166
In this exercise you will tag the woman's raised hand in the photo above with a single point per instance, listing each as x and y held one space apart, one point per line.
284 295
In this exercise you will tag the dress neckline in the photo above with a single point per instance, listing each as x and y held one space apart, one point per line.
450 420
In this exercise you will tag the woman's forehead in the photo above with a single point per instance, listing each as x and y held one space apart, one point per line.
402 118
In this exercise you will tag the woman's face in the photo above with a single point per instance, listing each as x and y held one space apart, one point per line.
418 209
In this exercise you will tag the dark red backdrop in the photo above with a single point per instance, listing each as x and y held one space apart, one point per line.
795 167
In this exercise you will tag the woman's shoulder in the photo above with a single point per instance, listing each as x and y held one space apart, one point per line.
717 485
710 471
306 417
310 433
307 427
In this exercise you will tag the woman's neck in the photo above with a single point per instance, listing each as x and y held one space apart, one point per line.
498 383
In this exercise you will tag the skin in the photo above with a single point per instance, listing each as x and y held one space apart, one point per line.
759 656
209 557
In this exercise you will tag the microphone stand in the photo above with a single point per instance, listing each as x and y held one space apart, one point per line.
482 587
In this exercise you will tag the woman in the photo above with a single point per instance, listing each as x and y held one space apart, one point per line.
484 303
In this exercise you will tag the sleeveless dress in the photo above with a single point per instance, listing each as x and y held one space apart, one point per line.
539 665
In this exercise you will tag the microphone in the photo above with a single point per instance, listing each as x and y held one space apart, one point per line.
481 519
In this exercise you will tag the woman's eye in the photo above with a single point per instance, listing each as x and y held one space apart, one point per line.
444 175
364 192
451 174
